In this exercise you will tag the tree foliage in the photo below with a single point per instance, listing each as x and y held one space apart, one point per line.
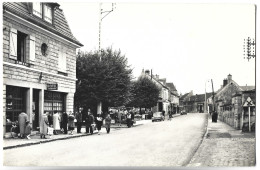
144 93
107 80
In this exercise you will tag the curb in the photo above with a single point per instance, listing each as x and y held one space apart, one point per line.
45 141
51 140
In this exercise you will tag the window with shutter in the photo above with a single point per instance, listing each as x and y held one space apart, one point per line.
13 44
32 48
62 61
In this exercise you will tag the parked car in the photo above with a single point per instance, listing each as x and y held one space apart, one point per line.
157 116
183 112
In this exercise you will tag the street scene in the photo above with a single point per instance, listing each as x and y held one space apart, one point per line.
114 84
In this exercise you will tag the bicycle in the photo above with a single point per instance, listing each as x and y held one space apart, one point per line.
14 130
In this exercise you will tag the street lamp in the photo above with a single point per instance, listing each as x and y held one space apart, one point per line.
102 15
205 102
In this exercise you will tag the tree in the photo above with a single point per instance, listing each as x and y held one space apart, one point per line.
106 80
144 93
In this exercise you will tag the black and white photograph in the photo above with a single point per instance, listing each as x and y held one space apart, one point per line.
129 84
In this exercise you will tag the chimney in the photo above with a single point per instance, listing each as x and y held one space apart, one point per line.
229 78
225 82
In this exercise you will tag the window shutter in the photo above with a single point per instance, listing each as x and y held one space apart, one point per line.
32 48
62 61
13 44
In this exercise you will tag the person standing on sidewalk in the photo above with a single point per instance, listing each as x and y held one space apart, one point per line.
99 122
22 118
79 121
65 122
89 122
56 123
71 123
44 125
120 112
108 122
28 129
128 119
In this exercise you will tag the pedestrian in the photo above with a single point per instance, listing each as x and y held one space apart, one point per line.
89 122
22 118
99 122
28 129
79 121
44 125
56 123
108 122
65 122
119 117
128 119
132 117
71 123
50 119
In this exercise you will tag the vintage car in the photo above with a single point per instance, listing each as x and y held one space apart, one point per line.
183 112
157 116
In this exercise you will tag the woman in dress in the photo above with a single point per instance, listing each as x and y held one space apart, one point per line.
56 123
44 125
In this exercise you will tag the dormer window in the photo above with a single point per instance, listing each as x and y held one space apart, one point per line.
37 9
44 11
47 14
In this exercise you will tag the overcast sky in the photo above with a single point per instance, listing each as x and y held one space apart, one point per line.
187 44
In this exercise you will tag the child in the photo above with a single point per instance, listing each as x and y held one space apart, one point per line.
28 129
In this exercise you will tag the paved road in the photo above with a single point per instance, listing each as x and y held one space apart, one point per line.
168 143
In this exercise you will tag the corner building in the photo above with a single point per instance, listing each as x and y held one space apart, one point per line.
39 62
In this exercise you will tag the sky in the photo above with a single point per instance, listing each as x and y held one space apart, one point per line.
187 43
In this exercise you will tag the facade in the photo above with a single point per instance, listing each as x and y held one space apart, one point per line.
230 103
174 98
168 98
184 101
39 62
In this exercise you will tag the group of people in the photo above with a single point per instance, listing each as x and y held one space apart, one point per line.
64 123
92 122
129 115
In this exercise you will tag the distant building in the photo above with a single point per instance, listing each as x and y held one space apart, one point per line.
39 62
168 97
230 103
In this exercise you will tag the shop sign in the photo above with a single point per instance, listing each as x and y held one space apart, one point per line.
52 86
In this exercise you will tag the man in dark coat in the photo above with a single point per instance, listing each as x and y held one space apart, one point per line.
79 121
22 123
89 121
65 122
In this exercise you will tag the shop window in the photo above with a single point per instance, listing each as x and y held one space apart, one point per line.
54 101
15 104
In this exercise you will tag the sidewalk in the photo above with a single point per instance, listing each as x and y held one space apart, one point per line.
9 143
224 146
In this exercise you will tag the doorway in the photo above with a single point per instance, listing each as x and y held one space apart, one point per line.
35 109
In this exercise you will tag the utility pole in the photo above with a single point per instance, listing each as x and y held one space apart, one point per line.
249 48
101 12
